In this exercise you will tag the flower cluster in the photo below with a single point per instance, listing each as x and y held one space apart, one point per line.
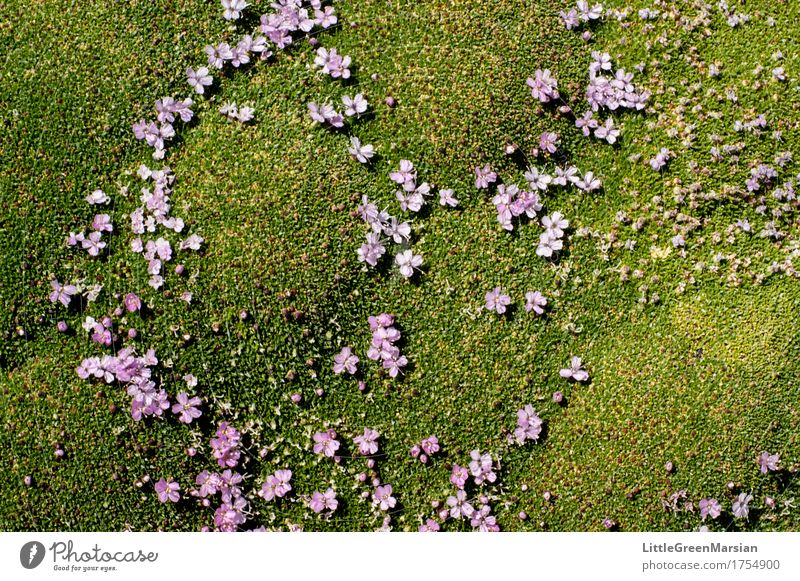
661 159
382 347
276 485
426 448
581 13
325 113
154 211
482 518
157 133
101 330
412 196
550 240
543 85
332 63
229 516
529 425
133 372
482 467
225 446
761 175
511 203
233 112
93 242
612 91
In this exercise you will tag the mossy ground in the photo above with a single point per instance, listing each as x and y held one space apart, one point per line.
705 378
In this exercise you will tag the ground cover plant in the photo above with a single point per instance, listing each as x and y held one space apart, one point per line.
462 265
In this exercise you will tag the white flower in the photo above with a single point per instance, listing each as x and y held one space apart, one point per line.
98 197
408 261
233 9
362 153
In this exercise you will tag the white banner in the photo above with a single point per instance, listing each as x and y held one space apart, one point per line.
461 556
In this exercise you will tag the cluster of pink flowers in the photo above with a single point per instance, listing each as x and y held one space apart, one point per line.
412 197
102 330
660 160
383 348
498 301
529 425
426 448
135 373
234 112
157 133
155 211
612 91
550 241
93 242
325 113
544 87
229 516
225 445
481 467
482 518
581 13
761 175
511 203
380 222
276 485
330 62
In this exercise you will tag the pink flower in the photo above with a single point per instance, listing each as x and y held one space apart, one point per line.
367 443
768 462
187 408
61 294
345 361
430 526
497 301
575 371
277 485
168 490
326 501
132 302
382 497
459 476
325 443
